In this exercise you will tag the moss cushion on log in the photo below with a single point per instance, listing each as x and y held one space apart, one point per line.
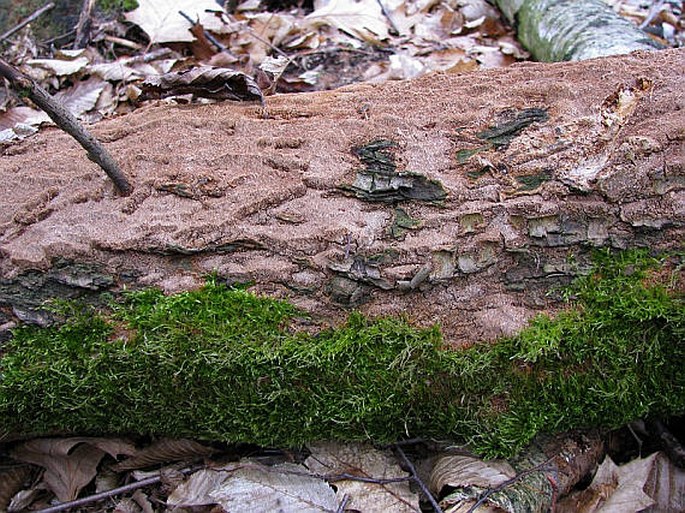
221 363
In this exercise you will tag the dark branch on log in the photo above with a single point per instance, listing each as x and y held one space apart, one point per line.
64 119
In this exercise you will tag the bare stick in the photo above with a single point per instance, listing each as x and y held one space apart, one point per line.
209 36
109 493
28 20
84 23
417 480
67 122
343 504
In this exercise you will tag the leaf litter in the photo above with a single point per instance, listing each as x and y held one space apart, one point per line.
336 43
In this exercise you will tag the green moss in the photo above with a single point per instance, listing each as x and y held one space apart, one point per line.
117 5
223 364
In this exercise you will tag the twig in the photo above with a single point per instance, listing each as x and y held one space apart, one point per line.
109 493
123 42
417 480
390 20
209 36
64 119
261 39
350 477
654 10
343 504
84 23
102 495
28 20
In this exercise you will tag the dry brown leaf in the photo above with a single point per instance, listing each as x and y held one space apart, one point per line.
161 21
58 67
25 498
362 19
82 96
250 487
460 471
204 82
164 451
70 463
651 482
24 115
331 458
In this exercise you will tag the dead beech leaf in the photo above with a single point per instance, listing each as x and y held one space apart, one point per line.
24 115
60 67
460 471
82 97
252 487
204 82
163 24
651 482
362 19
164 451
70 463
331 458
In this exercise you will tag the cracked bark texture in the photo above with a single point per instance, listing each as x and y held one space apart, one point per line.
463 200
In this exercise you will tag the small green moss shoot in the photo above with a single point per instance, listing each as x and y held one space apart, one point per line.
223 364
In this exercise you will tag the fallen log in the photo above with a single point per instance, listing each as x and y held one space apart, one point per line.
460 200
463 201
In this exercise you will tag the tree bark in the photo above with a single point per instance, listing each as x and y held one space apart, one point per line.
573 30
459 200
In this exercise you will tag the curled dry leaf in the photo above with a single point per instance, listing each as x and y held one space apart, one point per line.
203 82
460 471
164 451
652 482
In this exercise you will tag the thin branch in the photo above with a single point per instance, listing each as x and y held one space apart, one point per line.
84 24
654 10
209 36
418 481
28 20
109 493
389 18
64 119
343 504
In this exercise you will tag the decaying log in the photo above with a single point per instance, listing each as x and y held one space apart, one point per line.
458 199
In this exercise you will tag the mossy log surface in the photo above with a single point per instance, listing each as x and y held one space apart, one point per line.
467 202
